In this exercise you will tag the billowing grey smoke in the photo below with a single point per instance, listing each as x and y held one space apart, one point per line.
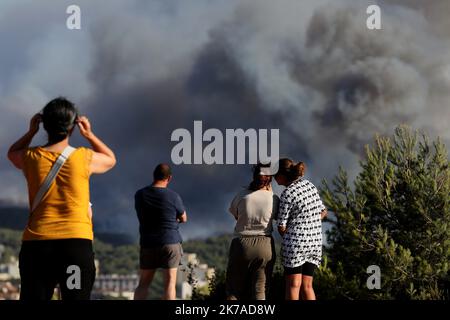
141 69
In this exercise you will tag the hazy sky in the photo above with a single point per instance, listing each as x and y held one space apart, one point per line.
141 69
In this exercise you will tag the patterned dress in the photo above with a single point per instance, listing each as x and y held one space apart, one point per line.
300 208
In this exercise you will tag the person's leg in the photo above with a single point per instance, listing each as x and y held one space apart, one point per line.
293 278
307 288
259 280
170 281
269 267
236 271
293 284
170 260
76 273
145 280
37 277
264 266
149 260
307 281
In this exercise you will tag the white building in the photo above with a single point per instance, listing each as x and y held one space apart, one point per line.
10 270
114 285
9 291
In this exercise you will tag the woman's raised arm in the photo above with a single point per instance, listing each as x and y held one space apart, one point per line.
16 151
103 158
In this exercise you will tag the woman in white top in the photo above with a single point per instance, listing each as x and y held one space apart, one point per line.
252 251
299 223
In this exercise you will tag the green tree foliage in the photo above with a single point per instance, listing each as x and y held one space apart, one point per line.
116 259
212 251
217 290
396 216
11 241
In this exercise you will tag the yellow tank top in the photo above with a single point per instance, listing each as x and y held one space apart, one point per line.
63 212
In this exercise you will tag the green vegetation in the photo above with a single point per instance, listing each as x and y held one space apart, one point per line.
120 260
396 216
124 259
212 251
11 240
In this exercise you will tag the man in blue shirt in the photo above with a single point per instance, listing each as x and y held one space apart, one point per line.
159 210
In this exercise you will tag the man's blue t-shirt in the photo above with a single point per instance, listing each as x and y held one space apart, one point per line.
157 210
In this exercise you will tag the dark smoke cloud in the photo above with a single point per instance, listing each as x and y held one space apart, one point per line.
141 69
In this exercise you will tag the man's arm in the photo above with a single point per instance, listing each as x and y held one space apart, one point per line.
324 214
180 210
281 230
182 218
17 150
103 158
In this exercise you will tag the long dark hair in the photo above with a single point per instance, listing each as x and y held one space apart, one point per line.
260 180
59 117
291 170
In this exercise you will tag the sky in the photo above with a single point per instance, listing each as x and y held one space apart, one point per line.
142 69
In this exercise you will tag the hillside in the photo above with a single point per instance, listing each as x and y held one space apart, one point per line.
123 259
117 253
212 251
14 218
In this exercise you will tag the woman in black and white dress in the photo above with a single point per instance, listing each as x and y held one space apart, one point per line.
299 223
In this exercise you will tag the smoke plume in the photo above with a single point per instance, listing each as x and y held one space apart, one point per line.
141 69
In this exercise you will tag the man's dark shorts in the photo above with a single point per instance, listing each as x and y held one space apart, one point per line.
166 257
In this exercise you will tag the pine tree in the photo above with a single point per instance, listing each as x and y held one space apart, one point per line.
396 216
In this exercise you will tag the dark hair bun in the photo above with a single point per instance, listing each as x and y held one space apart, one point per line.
291 170
298 170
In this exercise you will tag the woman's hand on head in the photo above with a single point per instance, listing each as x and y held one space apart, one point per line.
85 127
34 123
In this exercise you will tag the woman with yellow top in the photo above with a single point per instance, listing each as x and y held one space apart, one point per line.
57 241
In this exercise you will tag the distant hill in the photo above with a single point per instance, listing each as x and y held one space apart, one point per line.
119 253
212 251
116 254
116 239
14 218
